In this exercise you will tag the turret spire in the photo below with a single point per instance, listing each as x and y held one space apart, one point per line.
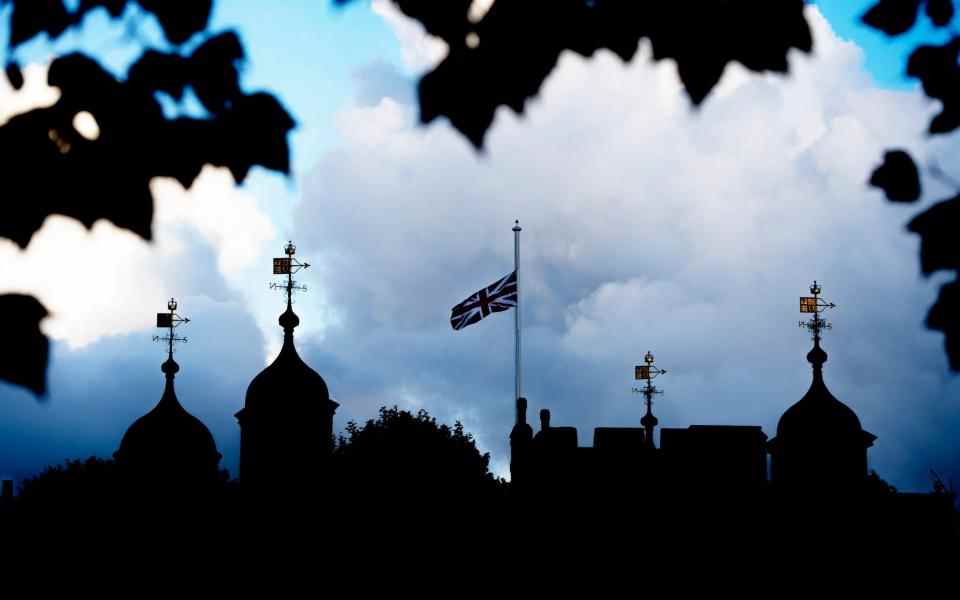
170 321
820 443
168 450
289 265
647 372
286 423
815 304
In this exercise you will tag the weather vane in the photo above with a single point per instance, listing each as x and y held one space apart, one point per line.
288 265
816 305
648 372
170 320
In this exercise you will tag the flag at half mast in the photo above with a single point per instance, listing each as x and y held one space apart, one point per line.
496 297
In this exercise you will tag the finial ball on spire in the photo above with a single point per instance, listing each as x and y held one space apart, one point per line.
289 319
170 367
290 249
172 304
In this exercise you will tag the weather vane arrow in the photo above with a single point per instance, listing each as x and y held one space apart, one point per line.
648 372
289 265
815 304
170 320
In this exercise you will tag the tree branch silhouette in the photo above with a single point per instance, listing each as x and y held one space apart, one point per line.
938 70
503 58
49 167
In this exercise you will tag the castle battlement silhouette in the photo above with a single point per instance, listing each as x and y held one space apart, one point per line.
819 443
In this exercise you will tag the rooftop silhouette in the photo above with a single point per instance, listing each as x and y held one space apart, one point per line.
168 449
700 482
286 423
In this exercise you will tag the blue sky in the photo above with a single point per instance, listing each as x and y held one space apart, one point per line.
377 203
885 56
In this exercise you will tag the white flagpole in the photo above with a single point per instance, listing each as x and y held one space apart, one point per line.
516 313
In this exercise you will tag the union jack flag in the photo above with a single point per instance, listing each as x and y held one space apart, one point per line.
495 297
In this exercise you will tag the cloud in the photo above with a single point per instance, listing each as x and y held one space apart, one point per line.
107 281
380 80
35 93
648 225
420 52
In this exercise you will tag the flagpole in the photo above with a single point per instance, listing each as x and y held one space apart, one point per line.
516 313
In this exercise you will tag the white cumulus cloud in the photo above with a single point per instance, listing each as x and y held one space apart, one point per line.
648 225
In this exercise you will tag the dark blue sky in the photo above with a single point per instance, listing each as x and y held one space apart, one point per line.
647 227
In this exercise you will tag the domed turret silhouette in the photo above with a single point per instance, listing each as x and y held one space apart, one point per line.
820 443
286 424
169 447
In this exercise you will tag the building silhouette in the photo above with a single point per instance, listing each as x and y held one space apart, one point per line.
713 480
168 450
810 479
819 441
286 423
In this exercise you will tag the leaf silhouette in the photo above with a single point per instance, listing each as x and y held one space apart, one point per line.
212 71
216 79
33 17
496 62
55 170
447 20
179 20
164 72
937 69
897 177
940 12
23 360
944 316
114 8
14 75
936 227
893 17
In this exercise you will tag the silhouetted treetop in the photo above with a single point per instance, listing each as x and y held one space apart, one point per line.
410 455
503 58
76 486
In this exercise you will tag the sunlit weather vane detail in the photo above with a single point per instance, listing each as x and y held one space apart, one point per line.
289 265
648 372
816 305
170 321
